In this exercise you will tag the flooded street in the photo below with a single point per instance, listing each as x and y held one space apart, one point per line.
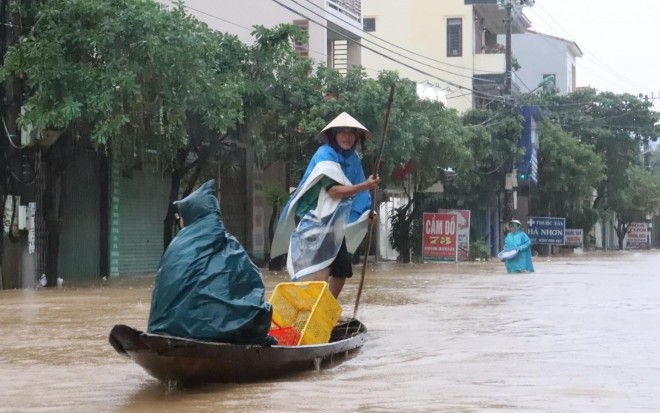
582 334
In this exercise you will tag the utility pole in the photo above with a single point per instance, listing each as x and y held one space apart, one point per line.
511 182
647 147
510 177
508 56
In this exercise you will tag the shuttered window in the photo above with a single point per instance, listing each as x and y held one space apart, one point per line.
454 37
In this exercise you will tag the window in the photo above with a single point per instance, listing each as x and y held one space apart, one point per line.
369 24
302 47
454 37
340 56
549 82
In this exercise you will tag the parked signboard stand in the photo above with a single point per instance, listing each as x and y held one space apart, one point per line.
462 231
440 241
637 237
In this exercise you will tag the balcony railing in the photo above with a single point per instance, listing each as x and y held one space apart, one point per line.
350 8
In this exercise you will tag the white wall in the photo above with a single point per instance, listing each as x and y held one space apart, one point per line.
539 55
239 17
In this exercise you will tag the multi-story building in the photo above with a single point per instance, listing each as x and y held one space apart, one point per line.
334 26
452 44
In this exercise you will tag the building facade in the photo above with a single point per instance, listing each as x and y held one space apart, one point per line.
545 62
448 43
334 27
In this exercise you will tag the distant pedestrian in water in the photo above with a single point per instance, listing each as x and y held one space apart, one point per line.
516 239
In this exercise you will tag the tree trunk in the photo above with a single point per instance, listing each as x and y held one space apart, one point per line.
104 230
621 230
53 219
54 200
169 221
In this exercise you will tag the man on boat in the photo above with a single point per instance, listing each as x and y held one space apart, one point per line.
207 288
332 203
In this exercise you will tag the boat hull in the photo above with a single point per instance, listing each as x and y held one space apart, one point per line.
190 361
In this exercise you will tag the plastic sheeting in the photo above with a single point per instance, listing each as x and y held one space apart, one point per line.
523 260
207 288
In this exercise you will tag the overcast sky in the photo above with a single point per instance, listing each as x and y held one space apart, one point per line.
620 41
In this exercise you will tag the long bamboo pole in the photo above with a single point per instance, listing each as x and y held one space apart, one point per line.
373 200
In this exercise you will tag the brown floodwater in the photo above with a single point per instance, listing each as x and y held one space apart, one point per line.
582 334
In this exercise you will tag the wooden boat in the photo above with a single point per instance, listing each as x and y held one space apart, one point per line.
191 361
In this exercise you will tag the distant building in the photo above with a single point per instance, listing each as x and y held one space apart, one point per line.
453 42
543 57
334 26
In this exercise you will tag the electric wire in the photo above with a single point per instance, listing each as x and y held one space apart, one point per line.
615 78
397 53
594 56
495 97
408 50
316 52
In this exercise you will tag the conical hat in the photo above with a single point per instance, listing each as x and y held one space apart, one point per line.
346 121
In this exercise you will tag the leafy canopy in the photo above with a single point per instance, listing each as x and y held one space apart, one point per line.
127 70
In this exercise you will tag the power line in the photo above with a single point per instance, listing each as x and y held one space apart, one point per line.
388 57
573 37
521 81
615 75
319 53
403 48
219 18
392 51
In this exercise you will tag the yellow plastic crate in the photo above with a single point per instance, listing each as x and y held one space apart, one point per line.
309 307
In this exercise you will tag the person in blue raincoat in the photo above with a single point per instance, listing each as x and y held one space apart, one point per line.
516 239
207 288
332 203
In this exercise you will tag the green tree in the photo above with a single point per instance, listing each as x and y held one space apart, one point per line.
569 173
639 197
617 127
126 75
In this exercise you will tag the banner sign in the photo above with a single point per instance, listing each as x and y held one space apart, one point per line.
462 231
440 237
546 230
573 237
637 236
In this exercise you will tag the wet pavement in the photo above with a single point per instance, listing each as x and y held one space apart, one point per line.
582 334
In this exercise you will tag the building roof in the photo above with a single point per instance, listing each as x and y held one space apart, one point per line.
571 44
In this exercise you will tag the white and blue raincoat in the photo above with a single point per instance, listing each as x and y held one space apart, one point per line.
315 242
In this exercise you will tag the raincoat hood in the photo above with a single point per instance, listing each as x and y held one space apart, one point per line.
199 204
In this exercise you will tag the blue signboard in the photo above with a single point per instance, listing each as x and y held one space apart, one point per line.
528 168
546 230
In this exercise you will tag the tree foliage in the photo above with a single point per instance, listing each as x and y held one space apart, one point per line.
126 70
569 173
639 196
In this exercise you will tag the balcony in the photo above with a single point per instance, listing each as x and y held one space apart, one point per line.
344 18
350 8
489 63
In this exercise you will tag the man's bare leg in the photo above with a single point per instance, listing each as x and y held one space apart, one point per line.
335 284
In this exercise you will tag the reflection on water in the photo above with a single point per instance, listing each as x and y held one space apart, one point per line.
579 335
